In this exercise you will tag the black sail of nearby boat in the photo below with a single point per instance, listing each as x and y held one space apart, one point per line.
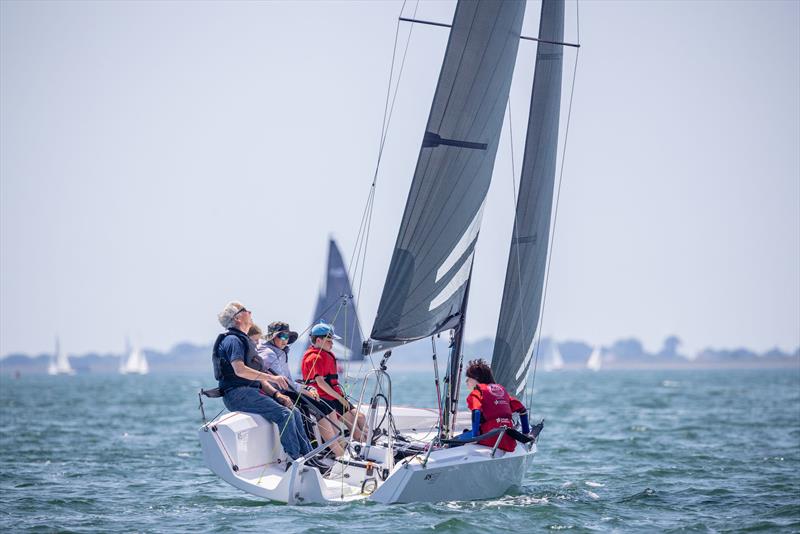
336 305
427 280
527 261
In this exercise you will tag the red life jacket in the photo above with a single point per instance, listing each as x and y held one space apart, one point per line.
496 412
328 370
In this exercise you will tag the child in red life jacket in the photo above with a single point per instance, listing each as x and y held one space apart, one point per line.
320 372
491 406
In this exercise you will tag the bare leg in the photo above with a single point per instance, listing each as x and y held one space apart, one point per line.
359 430
328 432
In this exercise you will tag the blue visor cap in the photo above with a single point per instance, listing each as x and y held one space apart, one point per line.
322 330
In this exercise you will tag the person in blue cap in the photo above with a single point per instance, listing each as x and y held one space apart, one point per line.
321 372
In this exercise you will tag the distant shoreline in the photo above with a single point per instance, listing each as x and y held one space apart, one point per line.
624 354
111 367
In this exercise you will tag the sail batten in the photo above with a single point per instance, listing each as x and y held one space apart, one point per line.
432 260
527 261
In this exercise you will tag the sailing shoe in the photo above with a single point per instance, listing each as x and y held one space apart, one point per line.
313 462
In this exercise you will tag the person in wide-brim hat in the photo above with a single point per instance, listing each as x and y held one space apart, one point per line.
278 328
273 348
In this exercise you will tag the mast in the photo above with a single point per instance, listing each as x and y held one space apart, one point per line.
453 377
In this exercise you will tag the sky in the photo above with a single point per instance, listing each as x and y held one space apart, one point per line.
158 159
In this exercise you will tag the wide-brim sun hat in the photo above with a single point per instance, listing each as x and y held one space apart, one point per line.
277 327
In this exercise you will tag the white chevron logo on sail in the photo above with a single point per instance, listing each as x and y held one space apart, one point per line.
463 244
458 280
525 362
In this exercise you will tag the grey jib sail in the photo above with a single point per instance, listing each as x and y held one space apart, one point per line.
336 305
432 258
522 295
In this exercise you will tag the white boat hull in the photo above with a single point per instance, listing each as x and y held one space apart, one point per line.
459 474
244 450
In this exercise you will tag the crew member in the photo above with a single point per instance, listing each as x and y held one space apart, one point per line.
274 348
255 333
492 406
247 390
321 373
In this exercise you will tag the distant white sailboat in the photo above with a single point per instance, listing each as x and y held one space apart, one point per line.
135 363
554 361
595 361
59 363
52 368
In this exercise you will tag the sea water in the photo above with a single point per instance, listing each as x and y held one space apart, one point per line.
621 451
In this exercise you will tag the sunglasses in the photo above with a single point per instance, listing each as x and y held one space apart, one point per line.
241 311
284 336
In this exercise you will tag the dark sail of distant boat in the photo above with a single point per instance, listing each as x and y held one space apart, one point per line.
336 305
522 295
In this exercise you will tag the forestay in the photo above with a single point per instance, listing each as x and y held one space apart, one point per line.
432 259
522 294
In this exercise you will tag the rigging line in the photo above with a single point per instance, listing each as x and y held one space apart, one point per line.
394 96
321 315
391 77
436 374
555 215
387 121
280 434
385 133
345 341
387 117
343 306
294 405
356 247
360 284
363 267
384 128
360 258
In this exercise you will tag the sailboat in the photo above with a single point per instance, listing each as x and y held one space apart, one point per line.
135 362
336 305
409 454
553 361
595 361
59 363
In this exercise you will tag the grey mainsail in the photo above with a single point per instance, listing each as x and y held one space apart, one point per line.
432 260
527 261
